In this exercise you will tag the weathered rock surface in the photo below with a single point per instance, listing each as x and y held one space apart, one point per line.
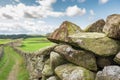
117 58
72 72
62 33
96 27
47 70
37 64
109 73
53 78
98 43
56 60
79 57
112 26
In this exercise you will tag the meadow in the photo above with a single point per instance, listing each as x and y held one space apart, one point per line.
34 44
4 41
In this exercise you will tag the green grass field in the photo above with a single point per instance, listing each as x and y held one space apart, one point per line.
8 61
4 41
33 44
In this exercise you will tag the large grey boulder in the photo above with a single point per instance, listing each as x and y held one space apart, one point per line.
96 26
98 43
117 58
112 26
109 73
62 33
72 72
56 60
79 57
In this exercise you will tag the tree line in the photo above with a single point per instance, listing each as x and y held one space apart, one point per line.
17 36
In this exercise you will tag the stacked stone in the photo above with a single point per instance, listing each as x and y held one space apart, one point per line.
92 54
85 55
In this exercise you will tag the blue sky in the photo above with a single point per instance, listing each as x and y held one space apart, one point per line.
44 16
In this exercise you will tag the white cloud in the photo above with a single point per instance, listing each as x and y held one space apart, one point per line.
21 18
103 1
12 12
22 11
92 15
81 1
46 3
25 26
74 11
17 0
92 12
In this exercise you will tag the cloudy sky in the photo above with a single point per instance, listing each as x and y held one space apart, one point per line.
43 16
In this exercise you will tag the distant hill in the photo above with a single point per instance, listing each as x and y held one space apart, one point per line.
16 36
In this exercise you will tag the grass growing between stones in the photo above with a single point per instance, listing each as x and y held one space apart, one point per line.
34 44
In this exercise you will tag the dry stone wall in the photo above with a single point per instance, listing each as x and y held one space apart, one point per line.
87 55
35 61
78 55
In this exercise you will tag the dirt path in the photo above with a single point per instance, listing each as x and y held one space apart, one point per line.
14 72
12 66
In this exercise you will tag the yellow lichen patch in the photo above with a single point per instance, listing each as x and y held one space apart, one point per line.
88 35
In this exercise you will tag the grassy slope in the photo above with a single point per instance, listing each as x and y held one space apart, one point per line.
7 62
33 44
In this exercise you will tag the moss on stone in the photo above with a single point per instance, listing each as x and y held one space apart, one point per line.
61 34
72 72
97 43
56 60
47 70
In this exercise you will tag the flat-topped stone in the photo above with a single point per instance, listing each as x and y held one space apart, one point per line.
97 43
88 35
72 72
79 57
